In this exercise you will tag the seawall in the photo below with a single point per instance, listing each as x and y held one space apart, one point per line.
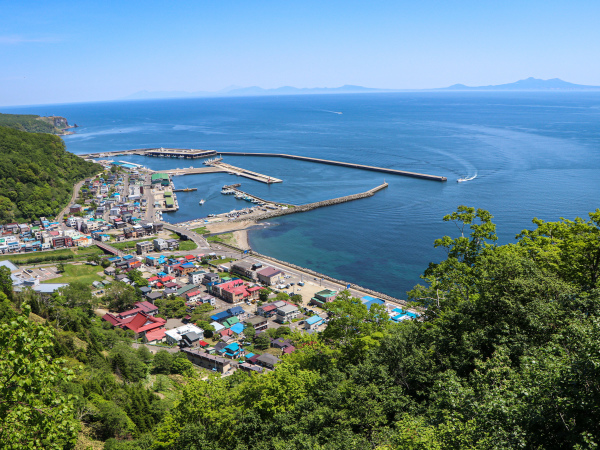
318 275
405 173
311 206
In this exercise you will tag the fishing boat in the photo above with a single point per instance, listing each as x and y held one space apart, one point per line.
460 180
201 202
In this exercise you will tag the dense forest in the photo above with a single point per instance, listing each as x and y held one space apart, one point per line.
507 355
28 122
37 174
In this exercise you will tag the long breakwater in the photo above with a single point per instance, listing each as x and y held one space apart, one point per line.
315 205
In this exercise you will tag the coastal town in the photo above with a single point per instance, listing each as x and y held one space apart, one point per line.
228 296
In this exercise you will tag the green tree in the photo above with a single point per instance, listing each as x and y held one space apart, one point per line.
6 284
33 412
162 362
181 366
120 296
262 341
263 295
250 332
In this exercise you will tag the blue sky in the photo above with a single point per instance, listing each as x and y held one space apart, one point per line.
57 52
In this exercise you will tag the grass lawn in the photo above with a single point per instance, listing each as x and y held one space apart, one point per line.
33 255
187 245
201 230
85 273
227 238
127 244
77 253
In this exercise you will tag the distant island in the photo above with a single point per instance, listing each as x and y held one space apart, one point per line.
528 84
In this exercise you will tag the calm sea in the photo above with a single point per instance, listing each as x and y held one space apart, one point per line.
532 155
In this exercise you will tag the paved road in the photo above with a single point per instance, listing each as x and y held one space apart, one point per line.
76 189
199 240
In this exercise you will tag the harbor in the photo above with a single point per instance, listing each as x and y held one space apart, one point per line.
217 164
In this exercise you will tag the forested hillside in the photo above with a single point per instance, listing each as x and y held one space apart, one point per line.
507 356
27 122
37 174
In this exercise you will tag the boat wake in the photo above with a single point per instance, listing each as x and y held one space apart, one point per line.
463 179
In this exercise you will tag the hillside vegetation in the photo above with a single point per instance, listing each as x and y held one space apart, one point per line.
28 122
507 356
37 174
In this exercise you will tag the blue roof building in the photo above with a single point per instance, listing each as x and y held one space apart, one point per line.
237 328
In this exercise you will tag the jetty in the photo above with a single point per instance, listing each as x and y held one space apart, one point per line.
405 173
217 165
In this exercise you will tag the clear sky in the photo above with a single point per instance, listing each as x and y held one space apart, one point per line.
58 52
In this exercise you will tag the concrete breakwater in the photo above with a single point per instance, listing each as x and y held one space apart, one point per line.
318 275
315 205
405 173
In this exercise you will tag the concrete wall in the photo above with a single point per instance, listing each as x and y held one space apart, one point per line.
311 206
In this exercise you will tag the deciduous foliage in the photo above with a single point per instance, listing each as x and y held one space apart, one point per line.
33 414
37 174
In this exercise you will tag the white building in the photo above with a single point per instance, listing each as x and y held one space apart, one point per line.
175 335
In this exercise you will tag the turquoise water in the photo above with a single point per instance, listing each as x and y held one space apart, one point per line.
532 155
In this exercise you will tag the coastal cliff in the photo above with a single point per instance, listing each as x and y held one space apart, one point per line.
37 124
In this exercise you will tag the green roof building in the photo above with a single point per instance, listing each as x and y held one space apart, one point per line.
160 178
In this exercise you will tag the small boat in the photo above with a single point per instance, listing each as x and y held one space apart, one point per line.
460 180
201 202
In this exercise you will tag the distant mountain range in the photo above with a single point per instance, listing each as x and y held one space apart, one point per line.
235 91
529 84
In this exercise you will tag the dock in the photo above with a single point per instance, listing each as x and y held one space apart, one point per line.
181 153
405 173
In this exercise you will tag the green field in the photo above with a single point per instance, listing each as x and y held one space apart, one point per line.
127 244
201 230
187 245
47 256
85 273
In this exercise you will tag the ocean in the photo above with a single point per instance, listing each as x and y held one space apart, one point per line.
529 154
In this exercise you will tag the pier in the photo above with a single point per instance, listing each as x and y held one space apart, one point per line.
245 173
343 164
182 153
218 166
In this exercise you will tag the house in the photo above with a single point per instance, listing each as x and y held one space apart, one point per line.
258 322
268 310
145 290
267 360
193 296
322 297
208 361
247 367
175 335
237 328
155 336
140 323
313 322
153 296
244 269
286 313
217 326
143 247
227 323
76 208
190 339
110 271
172 244
270 276
232 351
160 245
211 279
184 269
196 276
